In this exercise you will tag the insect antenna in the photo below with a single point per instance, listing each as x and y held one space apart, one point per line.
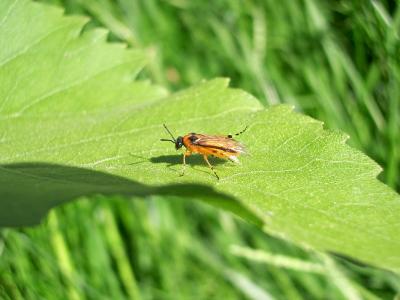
167 140
239 133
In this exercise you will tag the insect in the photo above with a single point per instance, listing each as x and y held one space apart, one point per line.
215 145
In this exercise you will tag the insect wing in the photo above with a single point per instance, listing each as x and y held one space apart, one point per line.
219 142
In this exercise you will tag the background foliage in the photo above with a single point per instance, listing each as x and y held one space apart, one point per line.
337 61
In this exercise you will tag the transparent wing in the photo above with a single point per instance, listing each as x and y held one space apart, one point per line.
223 143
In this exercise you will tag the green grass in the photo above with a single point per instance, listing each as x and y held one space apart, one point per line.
335 60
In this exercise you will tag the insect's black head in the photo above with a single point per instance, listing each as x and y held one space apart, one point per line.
179 143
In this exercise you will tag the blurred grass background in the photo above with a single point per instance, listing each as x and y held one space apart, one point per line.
337 61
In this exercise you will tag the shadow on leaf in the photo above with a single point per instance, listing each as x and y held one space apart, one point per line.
193 160
29 190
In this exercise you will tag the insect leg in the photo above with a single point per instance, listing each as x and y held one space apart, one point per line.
211 167
187 153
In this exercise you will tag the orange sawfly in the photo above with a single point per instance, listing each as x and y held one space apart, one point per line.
222 146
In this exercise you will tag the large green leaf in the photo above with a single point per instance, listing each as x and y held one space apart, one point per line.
75 123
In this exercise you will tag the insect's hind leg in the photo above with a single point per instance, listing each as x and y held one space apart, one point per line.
211 167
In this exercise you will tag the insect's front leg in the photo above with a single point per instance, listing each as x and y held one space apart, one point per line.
187 153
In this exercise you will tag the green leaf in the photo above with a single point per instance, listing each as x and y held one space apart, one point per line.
75 123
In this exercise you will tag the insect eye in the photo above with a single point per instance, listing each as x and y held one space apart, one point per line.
179 142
